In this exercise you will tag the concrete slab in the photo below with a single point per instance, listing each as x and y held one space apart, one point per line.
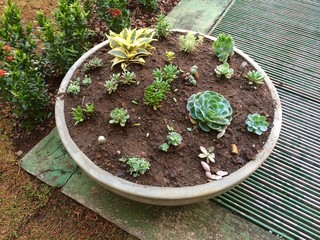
197 15
205 220
49 161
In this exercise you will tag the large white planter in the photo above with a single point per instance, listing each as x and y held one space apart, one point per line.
163 195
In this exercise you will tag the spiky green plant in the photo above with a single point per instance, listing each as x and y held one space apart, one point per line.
210 110
81 114
162 26
256 123
155 93
111 86
93 64
137 166
224 70
86 81
223 47
255 77
128 77
119 116
189 42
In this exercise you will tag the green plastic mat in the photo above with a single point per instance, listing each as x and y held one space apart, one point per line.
283 196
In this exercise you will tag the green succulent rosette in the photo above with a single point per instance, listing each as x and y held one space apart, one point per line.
210 110
257 123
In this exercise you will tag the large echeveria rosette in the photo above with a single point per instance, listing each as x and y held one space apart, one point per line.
210 110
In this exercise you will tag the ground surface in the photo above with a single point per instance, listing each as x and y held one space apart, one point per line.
30 209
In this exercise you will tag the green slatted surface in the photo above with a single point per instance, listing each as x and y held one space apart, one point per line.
284 38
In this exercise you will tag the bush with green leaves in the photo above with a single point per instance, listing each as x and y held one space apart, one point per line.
65 39
130 46
256 123
189 42
255 77
80 114
114 13
210 110
137 165
119 116
149 4
224 70
13 32
92 64
155 93
162 26
223 47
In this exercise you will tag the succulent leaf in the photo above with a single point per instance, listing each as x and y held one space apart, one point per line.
223 47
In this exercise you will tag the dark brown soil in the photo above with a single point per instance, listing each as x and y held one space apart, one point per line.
180 166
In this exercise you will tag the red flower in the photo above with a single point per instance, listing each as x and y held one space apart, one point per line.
10 58
3 73
114 12
6 48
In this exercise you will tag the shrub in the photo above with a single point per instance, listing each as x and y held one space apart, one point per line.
255 77
149 4
224 70
13 32
211 110
256 123
119 116
162 26
67 38
114 13
223 47
189 42
129 46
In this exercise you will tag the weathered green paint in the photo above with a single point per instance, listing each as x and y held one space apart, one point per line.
197 15
205 220
49 161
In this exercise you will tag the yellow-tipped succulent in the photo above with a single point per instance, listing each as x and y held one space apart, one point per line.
130 46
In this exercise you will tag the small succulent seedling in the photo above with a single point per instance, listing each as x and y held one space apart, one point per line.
223 47
74 87
162 26
170 73
80 114
128 77
255 77
174 138
119 116
111 86
208 154
155 93
190 77
256 123
189 42
86 80
164 147
92 64
137 165
210 110
224 70
170 55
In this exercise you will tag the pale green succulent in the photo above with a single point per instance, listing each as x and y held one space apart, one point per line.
92 64
210 110
224 70
86 81
223 47
255 77
111 86
119 116
189 42
74 87
174 138
137 166
256 123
